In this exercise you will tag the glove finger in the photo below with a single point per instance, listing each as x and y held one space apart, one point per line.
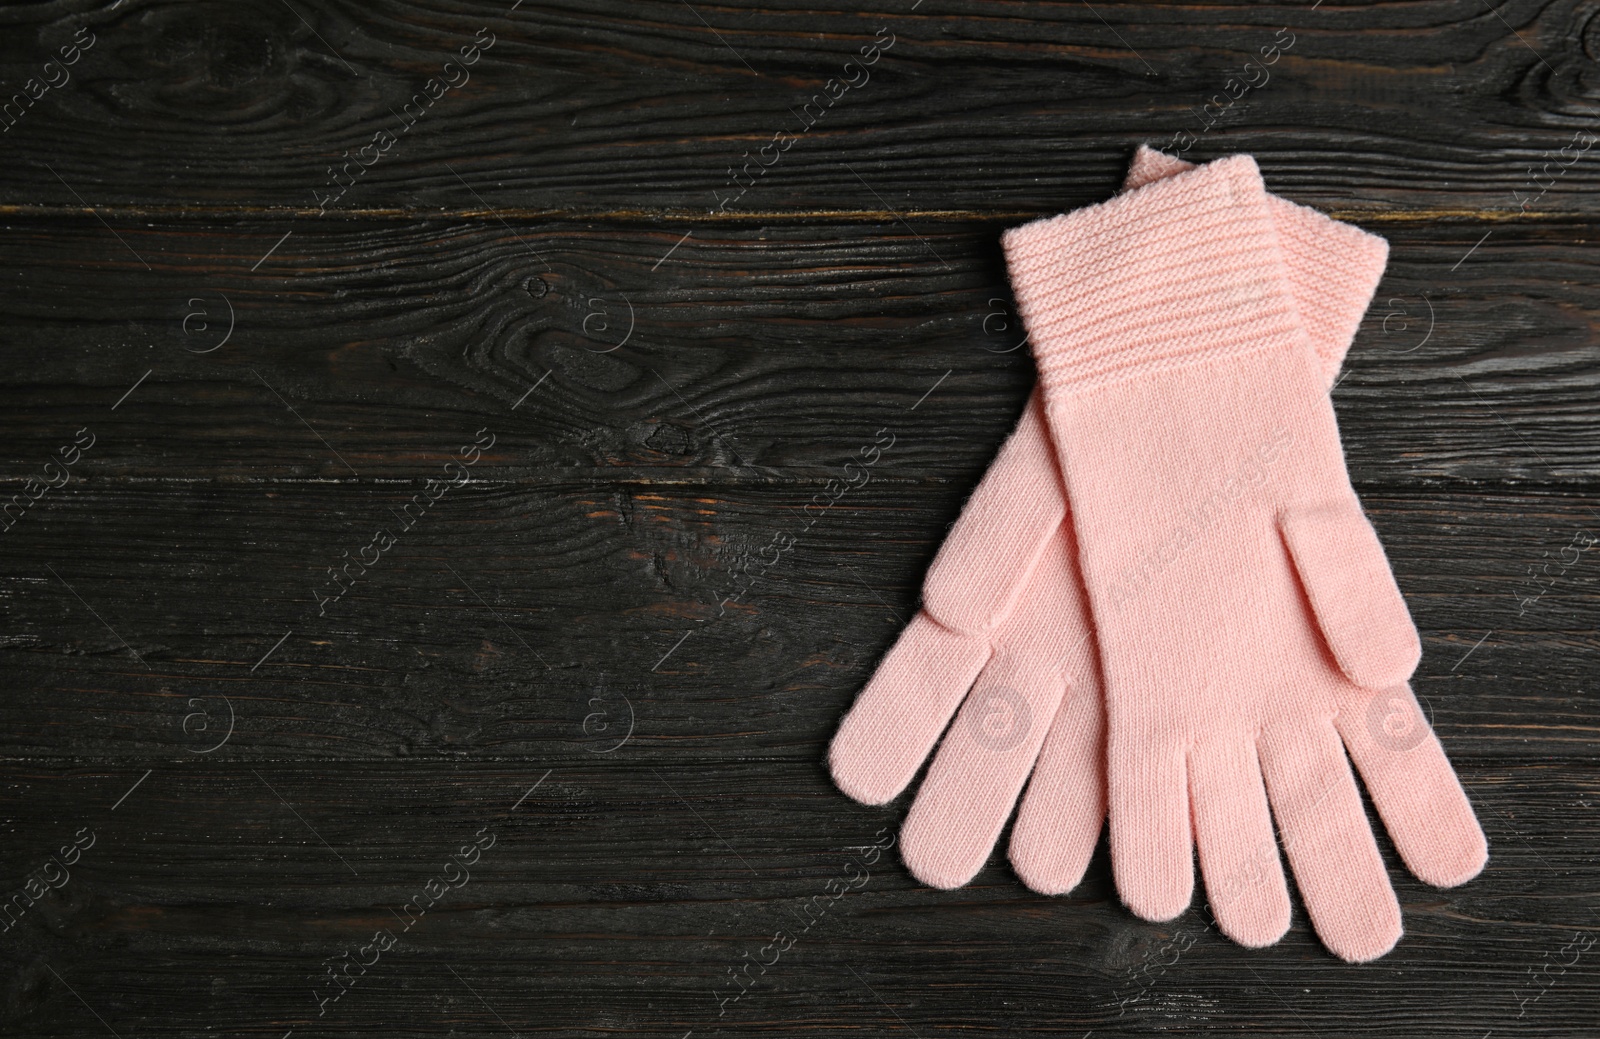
1352 591
980 768
1414 788
1064 809
1003 530
1233 833
1152 854
887 734
1335 861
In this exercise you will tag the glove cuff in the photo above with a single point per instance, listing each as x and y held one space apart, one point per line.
1180 271
1333 267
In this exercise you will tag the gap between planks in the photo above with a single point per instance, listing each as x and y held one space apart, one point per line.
752 217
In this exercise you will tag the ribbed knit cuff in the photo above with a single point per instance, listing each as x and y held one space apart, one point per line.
1333 267
1149 166
1183 270
1343 261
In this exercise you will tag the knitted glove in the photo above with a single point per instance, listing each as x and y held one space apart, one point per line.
981 614
1247 619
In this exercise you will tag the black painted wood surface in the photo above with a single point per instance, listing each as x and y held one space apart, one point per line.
228 779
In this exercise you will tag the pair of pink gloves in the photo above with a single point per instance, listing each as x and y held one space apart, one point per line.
1197 644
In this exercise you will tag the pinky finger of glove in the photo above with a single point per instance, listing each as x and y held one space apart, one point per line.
1414 788
899 715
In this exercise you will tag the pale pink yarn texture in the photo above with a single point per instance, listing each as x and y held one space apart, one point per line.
1246 615
1005 635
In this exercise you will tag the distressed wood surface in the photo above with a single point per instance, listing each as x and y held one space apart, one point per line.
255 771
1438 107
760 356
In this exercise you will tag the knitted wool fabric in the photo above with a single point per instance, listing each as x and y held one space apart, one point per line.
989 614
1247 619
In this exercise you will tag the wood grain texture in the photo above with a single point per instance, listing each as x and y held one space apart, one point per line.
763 356
272 770
487 630
990 106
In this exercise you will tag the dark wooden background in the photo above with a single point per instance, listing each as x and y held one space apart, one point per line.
266 387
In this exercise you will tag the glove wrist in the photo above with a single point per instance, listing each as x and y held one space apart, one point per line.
1181 271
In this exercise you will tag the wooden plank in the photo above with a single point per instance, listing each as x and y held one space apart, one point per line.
617 898
372 352
493 626
979 107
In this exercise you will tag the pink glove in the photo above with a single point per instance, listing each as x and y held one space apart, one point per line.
1017 648
1246 615
990 613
